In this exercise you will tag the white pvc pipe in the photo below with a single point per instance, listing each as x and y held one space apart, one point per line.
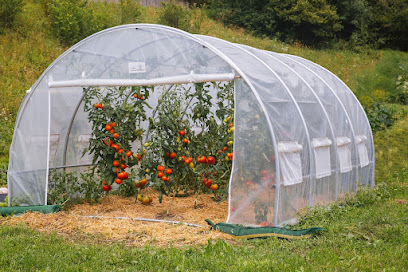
144 219
184 79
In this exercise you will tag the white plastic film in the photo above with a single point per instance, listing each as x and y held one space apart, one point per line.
321 148
362 150
343 147
291 166
280 100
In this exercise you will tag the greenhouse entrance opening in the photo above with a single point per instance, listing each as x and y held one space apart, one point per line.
150 105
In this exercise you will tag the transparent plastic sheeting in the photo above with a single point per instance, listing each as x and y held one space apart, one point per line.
301 136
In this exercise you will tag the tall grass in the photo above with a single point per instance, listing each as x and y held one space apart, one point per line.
31 47
391 148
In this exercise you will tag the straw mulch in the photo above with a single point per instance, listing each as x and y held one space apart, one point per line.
74 223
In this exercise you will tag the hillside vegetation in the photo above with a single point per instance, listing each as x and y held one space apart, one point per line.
43 29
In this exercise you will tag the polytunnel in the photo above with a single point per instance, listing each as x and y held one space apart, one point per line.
301 136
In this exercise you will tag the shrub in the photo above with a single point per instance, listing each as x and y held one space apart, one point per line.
380 116
257 16
175 15
73 20
9 9
130 11
311 22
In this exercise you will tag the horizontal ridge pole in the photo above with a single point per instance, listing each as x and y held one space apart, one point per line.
184 79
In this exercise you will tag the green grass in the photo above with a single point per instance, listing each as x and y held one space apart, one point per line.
391 149
363 233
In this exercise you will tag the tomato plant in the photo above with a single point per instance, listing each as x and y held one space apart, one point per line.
115 118
187 138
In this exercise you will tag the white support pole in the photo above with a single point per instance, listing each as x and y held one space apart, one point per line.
184 79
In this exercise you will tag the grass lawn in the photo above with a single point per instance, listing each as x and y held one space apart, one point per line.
365 232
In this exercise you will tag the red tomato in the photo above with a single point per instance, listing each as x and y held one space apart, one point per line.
167 154
106 188
225 148
201 159
169 171
112 131
108 127
182 132
115 135
120 151
214 187
210 160
143 182
164 178
160 168
185 140
204 181
116 170
183 158
115 163
115 146
123 166
172 155
118 181
128 154
113 124
123 175
209 183
97 106
160 174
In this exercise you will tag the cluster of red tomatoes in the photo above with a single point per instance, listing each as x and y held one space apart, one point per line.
206 160
161 173
118 167
98 106
207 181
139 96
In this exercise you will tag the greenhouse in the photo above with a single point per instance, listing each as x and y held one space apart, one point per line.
301 137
